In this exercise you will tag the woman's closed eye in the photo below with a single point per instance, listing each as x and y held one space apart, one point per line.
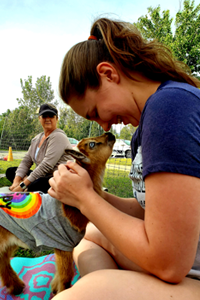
93 115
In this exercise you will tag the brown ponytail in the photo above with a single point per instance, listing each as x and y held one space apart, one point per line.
122 44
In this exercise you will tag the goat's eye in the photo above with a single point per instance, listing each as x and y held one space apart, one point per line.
91 144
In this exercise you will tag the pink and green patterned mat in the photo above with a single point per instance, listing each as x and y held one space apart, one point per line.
37 273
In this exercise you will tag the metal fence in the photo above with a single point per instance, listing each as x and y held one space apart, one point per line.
20 142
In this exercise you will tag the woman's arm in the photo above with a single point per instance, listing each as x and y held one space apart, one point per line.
129 206
165 243
25 165
55 149
21 172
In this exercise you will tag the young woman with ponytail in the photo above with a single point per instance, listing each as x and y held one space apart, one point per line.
146 247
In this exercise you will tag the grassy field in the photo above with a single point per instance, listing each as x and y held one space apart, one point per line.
4 165
117 182
120 161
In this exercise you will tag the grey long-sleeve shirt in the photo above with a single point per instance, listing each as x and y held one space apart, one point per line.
50 155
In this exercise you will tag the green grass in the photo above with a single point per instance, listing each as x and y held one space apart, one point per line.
117 182
4 165
120 161
21 252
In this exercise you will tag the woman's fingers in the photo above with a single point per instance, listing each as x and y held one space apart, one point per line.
13 186
52 182
70 166
69 183
51 192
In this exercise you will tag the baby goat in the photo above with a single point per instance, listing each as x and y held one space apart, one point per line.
40 222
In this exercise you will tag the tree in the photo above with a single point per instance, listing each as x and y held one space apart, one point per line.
186 45
185 41
77 127
3 118
127 132
156 26
33 97
19 126
18 129
74 125
96 129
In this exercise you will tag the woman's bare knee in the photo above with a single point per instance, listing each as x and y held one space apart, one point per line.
94 238
90 257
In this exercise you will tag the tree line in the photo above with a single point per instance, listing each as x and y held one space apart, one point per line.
183 39
19 126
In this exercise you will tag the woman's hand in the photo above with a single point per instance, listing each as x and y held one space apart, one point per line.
18 189
15 184
70 184
15 187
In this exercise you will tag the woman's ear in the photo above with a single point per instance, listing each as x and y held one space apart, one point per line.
108 71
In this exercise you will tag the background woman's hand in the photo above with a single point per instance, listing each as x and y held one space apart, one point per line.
14 185
70 184
18 189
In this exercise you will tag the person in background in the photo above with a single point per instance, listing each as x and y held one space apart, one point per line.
47 151
146 247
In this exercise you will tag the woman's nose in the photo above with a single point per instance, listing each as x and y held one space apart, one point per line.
106 126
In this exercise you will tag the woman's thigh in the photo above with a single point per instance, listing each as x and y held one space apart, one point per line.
10 173
40 184
129 285
95 243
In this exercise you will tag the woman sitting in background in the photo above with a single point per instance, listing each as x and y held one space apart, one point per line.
47 151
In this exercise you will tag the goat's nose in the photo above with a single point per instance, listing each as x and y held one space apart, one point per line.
111 137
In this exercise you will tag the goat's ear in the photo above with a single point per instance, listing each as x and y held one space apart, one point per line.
78 156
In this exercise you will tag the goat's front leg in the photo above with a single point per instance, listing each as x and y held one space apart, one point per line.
64 271
8 276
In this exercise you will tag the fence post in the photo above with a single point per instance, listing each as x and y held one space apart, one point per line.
3 130
90 128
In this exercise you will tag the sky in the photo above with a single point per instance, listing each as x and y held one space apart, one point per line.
36 34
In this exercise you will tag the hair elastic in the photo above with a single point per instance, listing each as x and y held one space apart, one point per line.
92 37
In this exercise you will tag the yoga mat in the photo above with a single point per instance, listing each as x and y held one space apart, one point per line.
37 273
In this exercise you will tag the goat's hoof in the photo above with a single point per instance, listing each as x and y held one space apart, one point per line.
54 285
60 287
67 285
54 291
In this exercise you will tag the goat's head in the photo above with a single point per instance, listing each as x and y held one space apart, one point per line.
94 152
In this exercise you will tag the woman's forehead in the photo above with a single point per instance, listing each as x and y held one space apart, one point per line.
81 105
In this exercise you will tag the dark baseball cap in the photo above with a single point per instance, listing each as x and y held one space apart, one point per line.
48 108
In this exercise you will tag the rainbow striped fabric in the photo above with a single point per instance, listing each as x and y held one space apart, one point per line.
20 205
